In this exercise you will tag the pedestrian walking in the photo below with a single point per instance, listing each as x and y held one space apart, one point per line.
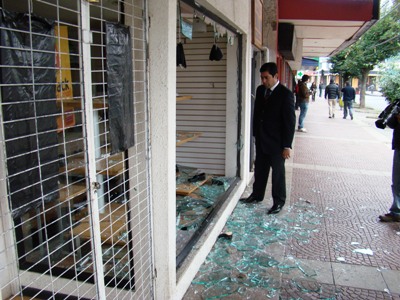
332 94
349 96
321 87
303 96
313 91
274 122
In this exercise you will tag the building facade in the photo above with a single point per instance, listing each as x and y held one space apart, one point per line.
126 139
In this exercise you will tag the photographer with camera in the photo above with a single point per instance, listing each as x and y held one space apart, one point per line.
391 117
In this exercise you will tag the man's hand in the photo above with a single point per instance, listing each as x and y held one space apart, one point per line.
286 153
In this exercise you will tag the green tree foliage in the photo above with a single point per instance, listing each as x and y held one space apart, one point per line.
345 64
380 42
390 79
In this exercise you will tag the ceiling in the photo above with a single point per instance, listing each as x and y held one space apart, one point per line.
322 38
325 27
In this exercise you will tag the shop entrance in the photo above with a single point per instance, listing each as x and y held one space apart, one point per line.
207 120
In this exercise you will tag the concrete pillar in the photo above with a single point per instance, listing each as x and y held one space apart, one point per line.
162 98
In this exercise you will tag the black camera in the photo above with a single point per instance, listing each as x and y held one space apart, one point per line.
388 116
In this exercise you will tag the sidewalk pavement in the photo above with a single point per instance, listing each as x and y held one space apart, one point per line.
327 243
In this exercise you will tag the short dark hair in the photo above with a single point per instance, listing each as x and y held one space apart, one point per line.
331 81
347 83
305 78
269 67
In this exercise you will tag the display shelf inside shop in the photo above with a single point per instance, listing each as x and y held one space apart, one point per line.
186 188
77 103
71 194
112 165
183 137
183 97
111 232
71 191
112 225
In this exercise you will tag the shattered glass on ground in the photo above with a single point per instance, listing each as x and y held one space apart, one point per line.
249 262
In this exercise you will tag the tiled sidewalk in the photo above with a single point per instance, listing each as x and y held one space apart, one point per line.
327 243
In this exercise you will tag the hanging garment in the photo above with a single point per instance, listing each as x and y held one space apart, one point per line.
180 56
216 53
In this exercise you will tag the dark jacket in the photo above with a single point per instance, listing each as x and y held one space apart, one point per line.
349 93
274 120
332 91
396 137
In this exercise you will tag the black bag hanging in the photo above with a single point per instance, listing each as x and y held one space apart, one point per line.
180 54
120 87
215 53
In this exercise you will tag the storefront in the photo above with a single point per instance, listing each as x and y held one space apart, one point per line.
96 119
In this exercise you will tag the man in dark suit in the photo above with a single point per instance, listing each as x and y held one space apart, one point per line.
274 122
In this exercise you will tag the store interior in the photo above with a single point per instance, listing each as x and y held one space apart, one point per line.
202 184
54 224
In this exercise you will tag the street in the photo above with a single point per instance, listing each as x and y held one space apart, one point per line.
375 101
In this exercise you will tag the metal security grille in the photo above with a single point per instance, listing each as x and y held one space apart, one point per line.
74 181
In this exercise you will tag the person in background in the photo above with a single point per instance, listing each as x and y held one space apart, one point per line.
296 92
349 95
321 87
339 98
394 211
303 100
274 122
313 90
332 94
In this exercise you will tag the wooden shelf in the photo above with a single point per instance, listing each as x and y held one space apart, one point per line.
183 137
112 225
183 97
110 232
74 192
71 191
76 103
110 166
114 211
187 188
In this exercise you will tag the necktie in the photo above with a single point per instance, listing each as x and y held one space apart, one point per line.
268 93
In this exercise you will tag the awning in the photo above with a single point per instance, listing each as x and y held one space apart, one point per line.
327 26
309 62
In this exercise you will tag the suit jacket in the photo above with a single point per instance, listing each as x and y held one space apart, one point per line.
274 120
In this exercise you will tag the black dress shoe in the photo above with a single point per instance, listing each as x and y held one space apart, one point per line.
275 209
250 199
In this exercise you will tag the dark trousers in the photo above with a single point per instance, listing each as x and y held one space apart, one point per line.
263 164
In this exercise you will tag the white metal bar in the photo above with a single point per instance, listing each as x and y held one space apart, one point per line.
9 269
89 127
